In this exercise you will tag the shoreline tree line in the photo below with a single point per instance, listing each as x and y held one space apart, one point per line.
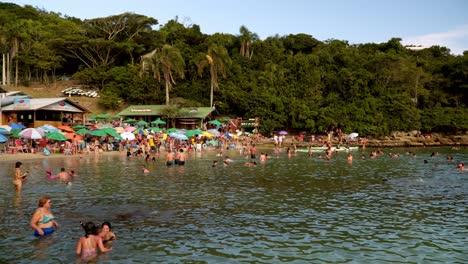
291 82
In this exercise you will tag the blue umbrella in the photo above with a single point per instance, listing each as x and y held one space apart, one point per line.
16 126
48 128
178 136
3 139
4 131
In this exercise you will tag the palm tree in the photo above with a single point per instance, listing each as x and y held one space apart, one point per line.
246 39
217 59
167 61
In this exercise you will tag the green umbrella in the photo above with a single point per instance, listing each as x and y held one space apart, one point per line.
117 116
130 120
193 132
56 136
215 122
155 129
82 131
158 122
224 119
103 116
78 127
140 131
98 133
15 133
142 123
111 132
170 130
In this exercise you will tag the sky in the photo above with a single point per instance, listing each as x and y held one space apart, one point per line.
416 22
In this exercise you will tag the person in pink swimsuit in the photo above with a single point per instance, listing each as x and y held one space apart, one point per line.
87 246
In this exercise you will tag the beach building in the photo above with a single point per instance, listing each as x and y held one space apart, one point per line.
185 117
37 112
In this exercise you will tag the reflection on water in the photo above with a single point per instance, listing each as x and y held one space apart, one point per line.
291 209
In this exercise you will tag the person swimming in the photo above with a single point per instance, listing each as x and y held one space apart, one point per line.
50 175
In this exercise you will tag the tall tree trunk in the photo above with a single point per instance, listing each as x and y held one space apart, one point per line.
211 94
8 69
167 92
3 69
16 72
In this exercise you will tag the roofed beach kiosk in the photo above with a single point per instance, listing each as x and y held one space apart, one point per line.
41 111
185 117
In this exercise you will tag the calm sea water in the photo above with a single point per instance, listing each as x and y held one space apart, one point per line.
289 210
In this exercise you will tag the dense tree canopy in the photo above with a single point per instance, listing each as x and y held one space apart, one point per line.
290 82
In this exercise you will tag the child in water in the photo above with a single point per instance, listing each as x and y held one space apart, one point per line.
88 244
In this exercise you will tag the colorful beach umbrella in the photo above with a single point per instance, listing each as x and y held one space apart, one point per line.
215 132
155 129
6 127
66 129
3 131
73 136
3 139
56 136
16 126
111 132
170 130
215 122
142 123
127 136
140 131
15 133
193 132
119 130
178 136
82 131
158 122
78 127
130 121
98 133
31 133
48 128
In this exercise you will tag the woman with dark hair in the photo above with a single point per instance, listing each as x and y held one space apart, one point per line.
88 244
19 176
42 220
106 234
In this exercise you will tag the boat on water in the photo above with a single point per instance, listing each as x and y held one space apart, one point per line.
338 148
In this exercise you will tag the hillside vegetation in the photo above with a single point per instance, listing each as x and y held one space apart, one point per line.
292 82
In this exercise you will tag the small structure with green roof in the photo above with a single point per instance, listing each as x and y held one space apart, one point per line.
185 117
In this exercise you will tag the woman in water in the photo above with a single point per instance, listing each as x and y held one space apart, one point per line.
50 175
106 234
19 176
88 244
42 220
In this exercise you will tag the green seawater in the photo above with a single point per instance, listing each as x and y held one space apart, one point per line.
296 209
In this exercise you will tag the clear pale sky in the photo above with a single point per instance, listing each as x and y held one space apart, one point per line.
417 22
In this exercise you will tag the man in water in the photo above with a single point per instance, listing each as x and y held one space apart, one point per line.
169 158
63 175
182 157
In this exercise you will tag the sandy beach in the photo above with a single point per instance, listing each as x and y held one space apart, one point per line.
7 157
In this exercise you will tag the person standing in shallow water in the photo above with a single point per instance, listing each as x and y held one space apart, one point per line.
42 220
19 176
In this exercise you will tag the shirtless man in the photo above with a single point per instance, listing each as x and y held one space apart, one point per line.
253 152
63 175
182 157
169 159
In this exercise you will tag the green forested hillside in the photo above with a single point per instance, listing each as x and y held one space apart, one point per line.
291 82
